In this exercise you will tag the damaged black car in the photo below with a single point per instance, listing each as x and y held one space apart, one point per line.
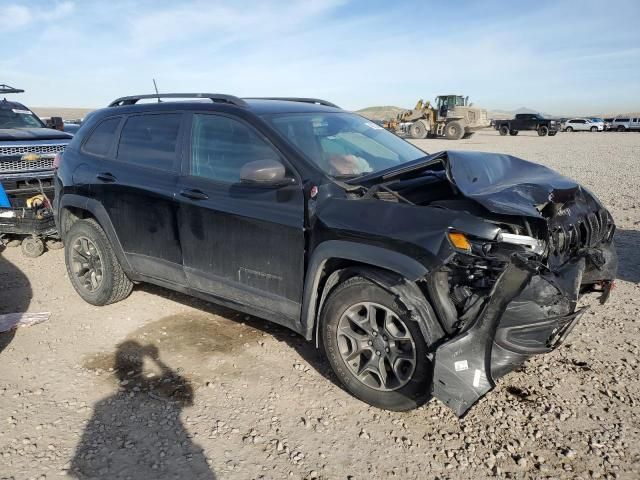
418 275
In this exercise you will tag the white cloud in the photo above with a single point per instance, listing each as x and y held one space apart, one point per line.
17 17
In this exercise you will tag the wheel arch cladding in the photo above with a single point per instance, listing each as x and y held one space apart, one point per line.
72 204
390 270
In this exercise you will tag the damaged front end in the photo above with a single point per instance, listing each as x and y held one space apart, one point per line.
512 292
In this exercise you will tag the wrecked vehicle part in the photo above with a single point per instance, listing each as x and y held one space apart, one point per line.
512 292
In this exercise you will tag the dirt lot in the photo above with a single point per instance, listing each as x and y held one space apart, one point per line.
165 386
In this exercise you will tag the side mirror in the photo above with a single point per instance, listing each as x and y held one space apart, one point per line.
267 173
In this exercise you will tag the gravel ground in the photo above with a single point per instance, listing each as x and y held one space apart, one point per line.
205 392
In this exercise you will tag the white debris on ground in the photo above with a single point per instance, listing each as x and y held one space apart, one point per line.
167 384
9 321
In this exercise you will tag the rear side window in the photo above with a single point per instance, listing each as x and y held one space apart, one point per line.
150 140
102 138
221 146
622 120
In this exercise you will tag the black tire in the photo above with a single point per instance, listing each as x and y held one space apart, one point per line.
113 285
568 129
621 128
418 130
552 134
32 247
594 129
504 130
453 131
513 133
542 131
410 395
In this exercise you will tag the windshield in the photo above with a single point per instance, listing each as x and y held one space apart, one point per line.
18 118
596 119
344 145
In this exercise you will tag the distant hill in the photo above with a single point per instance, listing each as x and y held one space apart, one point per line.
64 112
380 113
503 114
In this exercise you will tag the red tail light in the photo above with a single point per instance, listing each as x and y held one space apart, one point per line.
56 161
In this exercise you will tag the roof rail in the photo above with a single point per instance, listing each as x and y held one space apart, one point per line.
214 97
7 89
317 101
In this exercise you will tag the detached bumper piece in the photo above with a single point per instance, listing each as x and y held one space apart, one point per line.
527 313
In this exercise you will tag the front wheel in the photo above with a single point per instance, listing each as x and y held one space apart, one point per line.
453 131
621 128
594 129
568 129
542 131
374 347
92 266
418 130
513 133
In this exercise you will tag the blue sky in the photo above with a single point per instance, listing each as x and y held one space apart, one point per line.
561 57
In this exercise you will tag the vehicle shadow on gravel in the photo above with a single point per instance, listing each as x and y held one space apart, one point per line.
137 432
307 350
15 294
627 242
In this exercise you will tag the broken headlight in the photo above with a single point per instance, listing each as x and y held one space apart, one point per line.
531 244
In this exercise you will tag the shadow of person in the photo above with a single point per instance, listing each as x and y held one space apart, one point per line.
15 294
137 432
627 242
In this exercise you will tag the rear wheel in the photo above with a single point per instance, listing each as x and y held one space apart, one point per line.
542 131
568 129
453 131
32 247
418 130
513 133
374 347
504 130
93 268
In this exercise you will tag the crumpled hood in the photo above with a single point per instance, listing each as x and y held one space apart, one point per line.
509 185
19 134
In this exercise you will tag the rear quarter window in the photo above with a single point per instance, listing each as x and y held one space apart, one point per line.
102 137
150 140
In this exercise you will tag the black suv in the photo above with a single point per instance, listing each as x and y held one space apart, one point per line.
418 274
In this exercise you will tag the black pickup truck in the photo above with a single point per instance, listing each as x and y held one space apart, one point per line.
528 121
27 152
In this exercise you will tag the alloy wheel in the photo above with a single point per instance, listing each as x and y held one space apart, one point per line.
86 264
376 346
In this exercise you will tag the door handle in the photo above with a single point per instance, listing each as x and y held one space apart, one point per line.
106 177
194 194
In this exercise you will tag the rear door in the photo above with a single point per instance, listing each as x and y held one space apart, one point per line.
240 242
136 185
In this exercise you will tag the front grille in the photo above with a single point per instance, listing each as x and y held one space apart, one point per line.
22 149
588 232
11 161
22 166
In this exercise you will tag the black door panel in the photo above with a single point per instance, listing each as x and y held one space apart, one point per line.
241 242
137 189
